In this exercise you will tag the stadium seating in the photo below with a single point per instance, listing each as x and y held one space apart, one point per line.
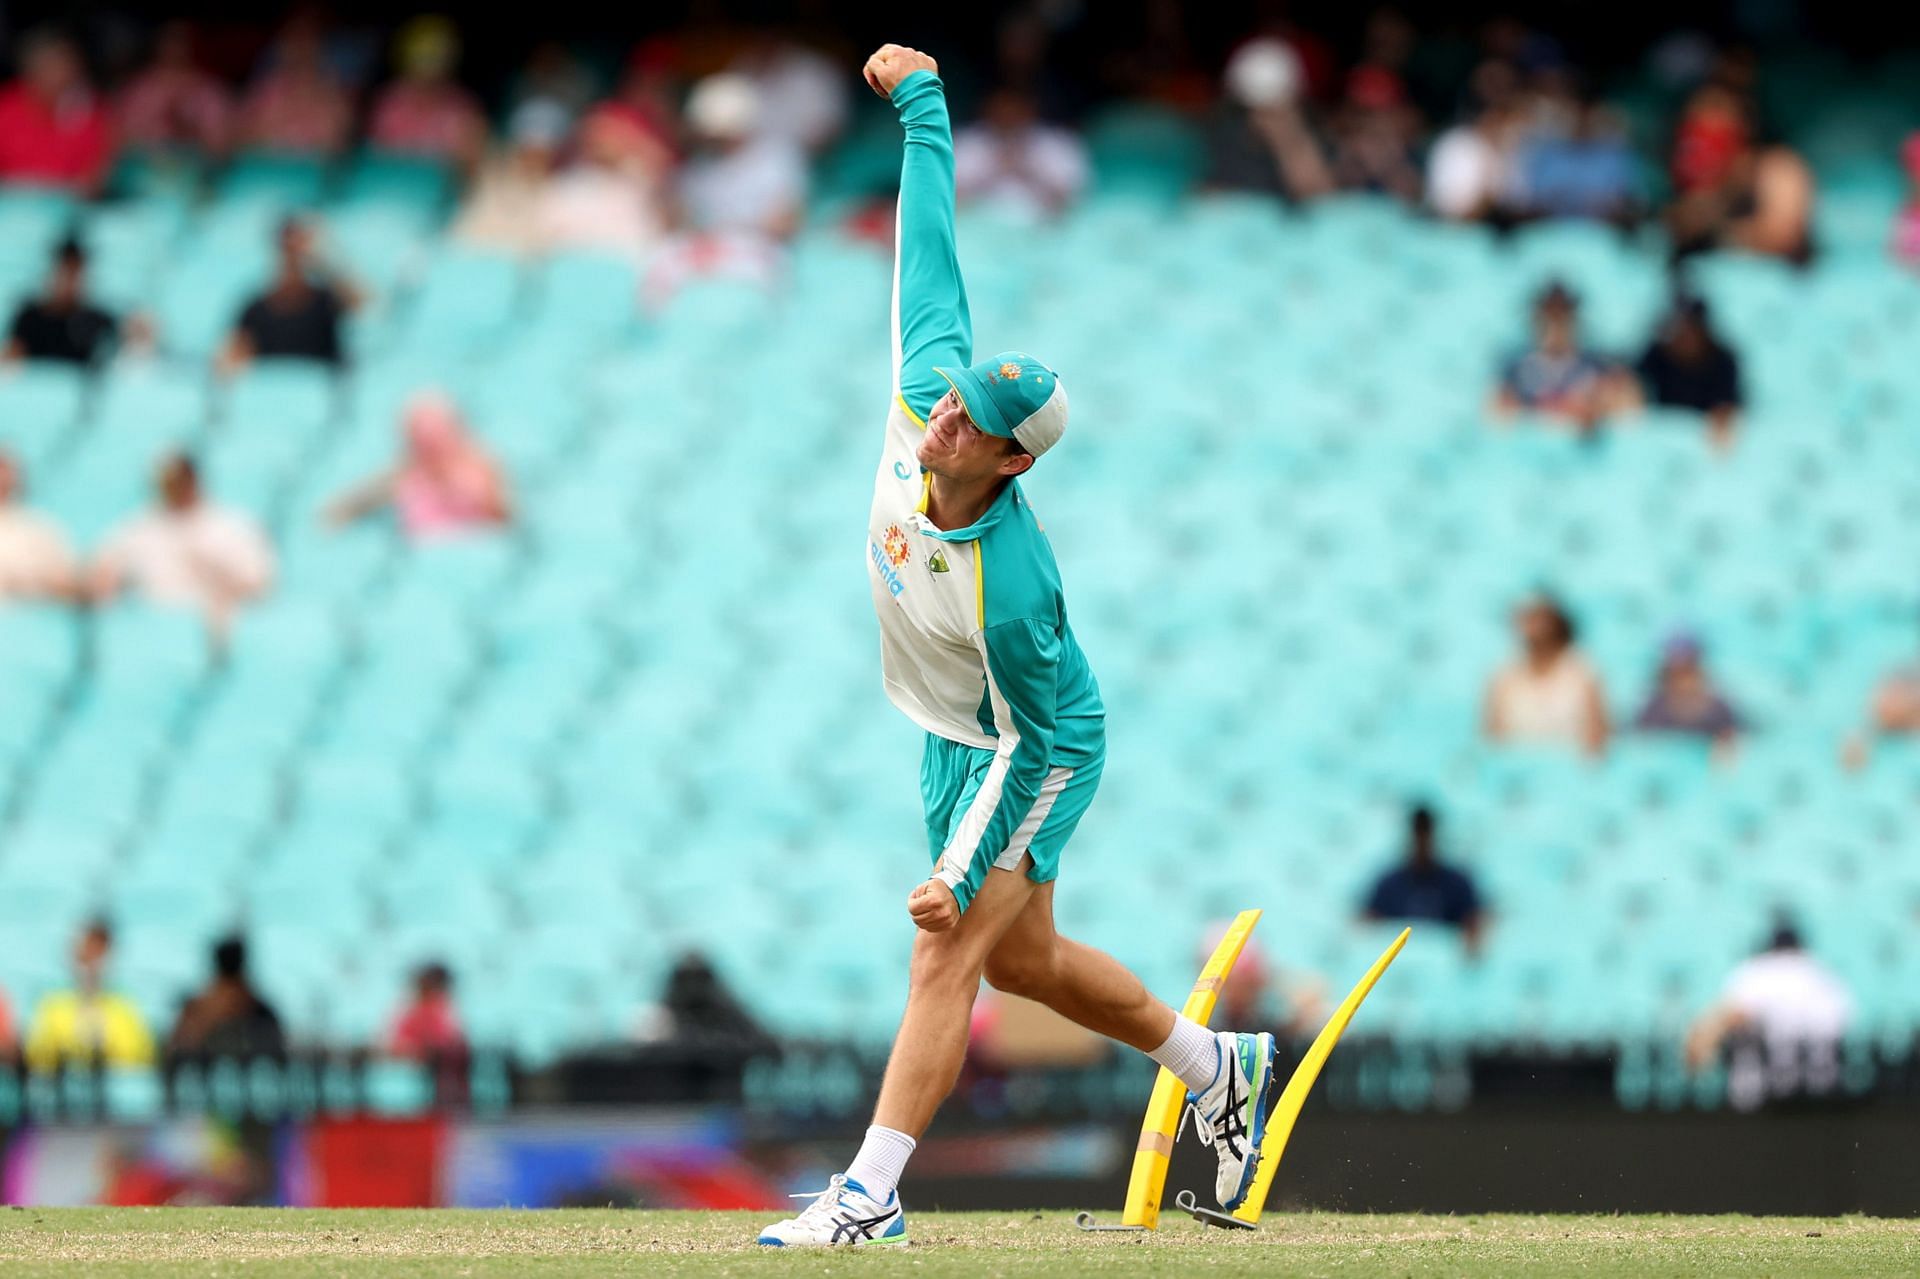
648 718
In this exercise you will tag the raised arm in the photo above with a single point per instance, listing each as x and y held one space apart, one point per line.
931 323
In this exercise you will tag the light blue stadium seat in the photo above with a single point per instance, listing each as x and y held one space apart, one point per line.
282 181
406 184
150 408
464 302
39 407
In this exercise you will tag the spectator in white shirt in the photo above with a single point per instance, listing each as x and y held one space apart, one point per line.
1014 159
1783 1013
741 194
743 179
36 560
1549 694
186 552
1470 174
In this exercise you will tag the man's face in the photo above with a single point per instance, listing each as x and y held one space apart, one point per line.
68 284
955 449
1555 327
53 69
179 489
1537 632
1686 677
1688 341
295 244
90 958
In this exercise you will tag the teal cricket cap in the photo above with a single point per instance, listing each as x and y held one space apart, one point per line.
1014 396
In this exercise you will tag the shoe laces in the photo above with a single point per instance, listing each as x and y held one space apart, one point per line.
1231 1126
824 1201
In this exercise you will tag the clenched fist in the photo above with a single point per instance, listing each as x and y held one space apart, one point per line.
893 63
932 907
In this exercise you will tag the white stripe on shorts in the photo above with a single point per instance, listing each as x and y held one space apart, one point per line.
1050 789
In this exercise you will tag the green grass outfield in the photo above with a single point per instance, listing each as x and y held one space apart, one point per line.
262 1241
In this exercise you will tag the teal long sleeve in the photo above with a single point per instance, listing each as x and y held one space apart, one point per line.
931 323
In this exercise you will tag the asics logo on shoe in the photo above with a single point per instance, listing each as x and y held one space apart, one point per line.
847 1225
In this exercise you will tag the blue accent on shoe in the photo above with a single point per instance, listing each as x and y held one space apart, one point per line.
768 1241
1257 1131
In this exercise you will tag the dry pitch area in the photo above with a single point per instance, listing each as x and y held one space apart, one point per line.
242 1241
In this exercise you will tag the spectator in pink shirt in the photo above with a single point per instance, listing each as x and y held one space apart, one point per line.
173 104
297 104
425 111
9 1037
1906 225
53 129
428 1031
446 484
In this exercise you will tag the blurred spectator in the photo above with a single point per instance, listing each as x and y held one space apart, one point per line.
741 180
1013 159
299 314
9 1036
1731 192
698 1009
425 112
1894 711
186 552
1687 366
1375 130
741 193
509 197
88 1026
62 324
1685 698
54 131
36 560
610 198
1581 168
446 484
1555 376
1906 225
298 105
1260 995
1261 140
173 104
427 1028
639 125
552 75
228 1018
1424 887
1549 694
1783 1013
1470 170
803 93
1712 136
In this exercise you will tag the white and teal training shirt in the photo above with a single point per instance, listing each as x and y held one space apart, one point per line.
974 641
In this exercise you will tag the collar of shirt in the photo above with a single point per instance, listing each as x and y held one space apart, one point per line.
997 511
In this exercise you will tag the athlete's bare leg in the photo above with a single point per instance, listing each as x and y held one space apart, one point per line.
944 979
1082 984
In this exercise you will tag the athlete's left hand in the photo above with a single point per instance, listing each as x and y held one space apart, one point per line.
932 906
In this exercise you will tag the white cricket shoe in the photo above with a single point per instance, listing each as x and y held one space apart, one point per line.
842 1214
1231 1114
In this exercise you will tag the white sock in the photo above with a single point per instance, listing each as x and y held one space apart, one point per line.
882 1158
1191 1052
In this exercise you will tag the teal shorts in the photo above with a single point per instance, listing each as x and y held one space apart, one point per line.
951 775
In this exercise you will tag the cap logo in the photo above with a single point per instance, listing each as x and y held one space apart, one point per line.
1010 371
